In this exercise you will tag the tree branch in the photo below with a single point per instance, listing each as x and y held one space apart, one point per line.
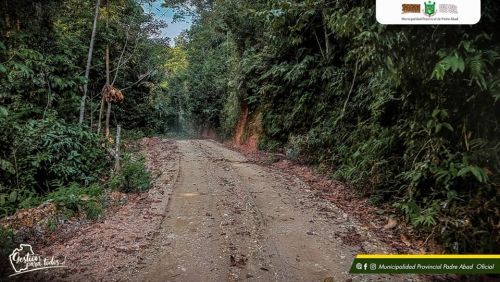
352 86
140 79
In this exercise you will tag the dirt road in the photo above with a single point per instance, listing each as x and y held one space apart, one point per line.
231 220
211 215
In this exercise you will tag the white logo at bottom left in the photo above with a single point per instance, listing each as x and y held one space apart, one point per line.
23 259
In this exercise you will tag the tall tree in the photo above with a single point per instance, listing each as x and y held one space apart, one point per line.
89 59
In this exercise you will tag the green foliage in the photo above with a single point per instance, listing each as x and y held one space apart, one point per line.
268 145
43 53
404 114
133 177
47 151
414 214
75 199
132 135
7 242
231 115
296 146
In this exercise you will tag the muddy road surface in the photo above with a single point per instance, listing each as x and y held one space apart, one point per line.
231 220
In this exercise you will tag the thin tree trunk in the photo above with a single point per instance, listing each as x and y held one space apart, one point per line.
123 52
108 113
352 86
100 115
117 149
325 29
319 44
89 59
107 65
107 70
91 113
107 44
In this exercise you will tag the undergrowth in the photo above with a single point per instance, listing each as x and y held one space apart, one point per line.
79 198
133 177
415 128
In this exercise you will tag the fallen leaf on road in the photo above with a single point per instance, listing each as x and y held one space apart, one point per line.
241 261
405 240
391 223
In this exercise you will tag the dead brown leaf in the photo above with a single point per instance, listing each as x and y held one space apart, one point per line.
241 261
391 223
405 240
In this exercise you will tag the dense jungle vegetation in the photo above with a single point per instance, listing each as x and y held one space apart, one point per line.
52 54
406 115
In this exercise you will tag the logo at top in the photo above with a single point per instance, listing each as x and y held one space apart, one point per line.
429 9
411 8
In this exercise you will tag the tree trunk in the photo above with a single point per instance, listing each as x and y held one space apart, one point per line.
91 113
89 59
108 112
117 149
325 29
107 70
100 115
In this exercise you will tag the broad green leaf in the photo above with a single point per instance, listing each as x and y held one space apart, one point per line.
435 112
438 72
430 123
479 173
438 127
461 64
463 171
444 113
13 196
466 45
3 111
447 126
453 61
445 63
465 160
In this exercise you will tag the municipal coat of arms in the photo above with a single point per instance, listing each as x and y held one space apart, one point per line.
429 9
